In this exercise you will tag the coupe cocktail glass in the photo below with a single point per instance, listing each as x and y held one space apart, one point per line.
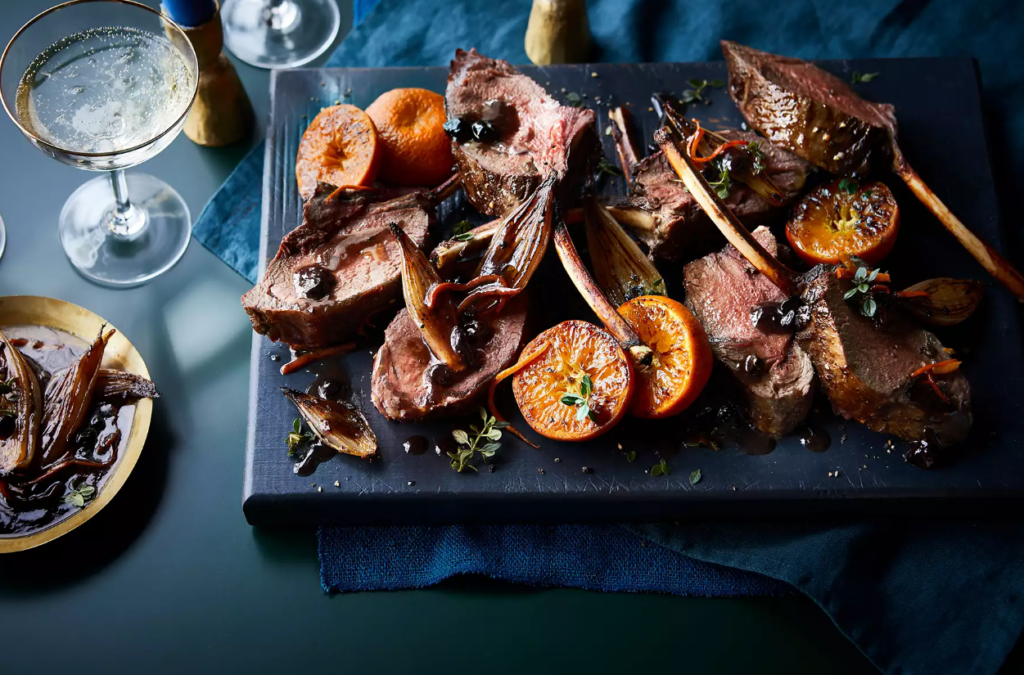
104 85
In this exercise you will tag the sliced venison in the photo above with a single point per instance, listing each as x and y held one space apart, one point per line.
337 268
809 111
409 384
866 367
532 135
678 225
774 373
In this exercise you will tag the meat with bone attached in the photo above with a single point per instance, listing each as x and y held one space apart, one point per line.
867 367
338 267
774 373
522 136
809 111
677 225
409 384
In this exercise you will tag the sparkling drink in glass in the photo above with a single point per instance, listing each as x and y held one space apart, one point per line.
104 85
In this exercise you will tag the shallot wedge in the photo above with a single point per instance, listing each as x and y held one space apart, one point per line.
942 301
115 384
67 401
621 269
516 249
21 408
588 288
436 323
335 424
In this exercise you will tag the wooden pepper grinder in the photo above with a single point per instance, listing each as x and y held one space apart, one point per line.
558 32
222 113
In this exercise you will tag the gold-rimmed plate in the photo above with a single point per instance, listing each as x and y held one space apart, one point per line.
120 354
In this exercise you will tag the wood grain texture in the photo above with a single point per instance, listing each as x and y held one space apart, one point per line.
939 112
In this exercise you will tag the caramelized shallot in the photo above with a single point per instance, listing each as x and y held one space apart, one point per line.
20 409
438 323
335 424
942 301
621 269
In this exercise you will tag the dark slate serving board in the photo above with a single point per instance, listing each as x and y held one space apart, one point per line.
942 134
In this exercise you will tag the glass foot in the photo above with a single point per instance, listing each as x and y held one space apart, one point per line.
114 253
279 33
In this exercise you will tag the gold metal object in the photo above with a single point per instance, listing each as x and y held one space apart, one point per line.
27 310
222 112
558 32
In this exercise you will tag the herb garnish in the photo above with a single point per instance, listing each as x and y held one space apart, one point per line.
80 495
848 185
631 456
465 236
8 396
660 469
695 477
582 399
696 94
723 184
297 438
468 446
754 148
574 99
862 77
462 227
862 285
604 166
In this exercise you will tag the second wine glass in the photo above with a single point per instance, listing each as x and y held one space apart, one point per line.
279 33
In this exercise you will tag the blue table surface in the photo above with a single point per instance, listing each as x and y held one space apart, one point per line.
171 576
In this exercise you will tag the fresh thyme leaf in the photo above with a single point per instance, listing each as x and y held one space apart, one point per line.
754 147
574 99
695 477
462 227
850 293
7 387
862 77
697 93
469 445
849 185
80 495
862 280
723 184
869 307
296 438
604 166
660 469
631 456
465 236
581 400
862 273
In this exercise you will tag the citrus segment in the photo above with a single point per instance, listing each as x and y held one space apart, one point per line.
410 124
682 356
339 147
579 387
844 218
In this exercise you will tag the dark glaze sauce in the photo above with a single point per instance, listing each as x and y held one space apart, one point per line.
718 425
311 457
815 438
27 507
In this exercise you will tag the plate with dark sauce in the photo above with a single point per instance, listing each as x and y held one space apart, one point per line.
60 485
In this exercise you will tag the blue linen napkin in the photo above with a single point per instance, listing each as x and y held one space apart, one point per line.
914 597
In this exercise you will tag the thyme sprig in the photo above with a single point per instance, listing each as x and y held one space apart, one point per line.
297 438
862 285
483 439
697 92
582 399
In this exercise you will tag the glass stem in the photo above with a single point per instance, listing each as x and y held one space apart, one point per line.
126 220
